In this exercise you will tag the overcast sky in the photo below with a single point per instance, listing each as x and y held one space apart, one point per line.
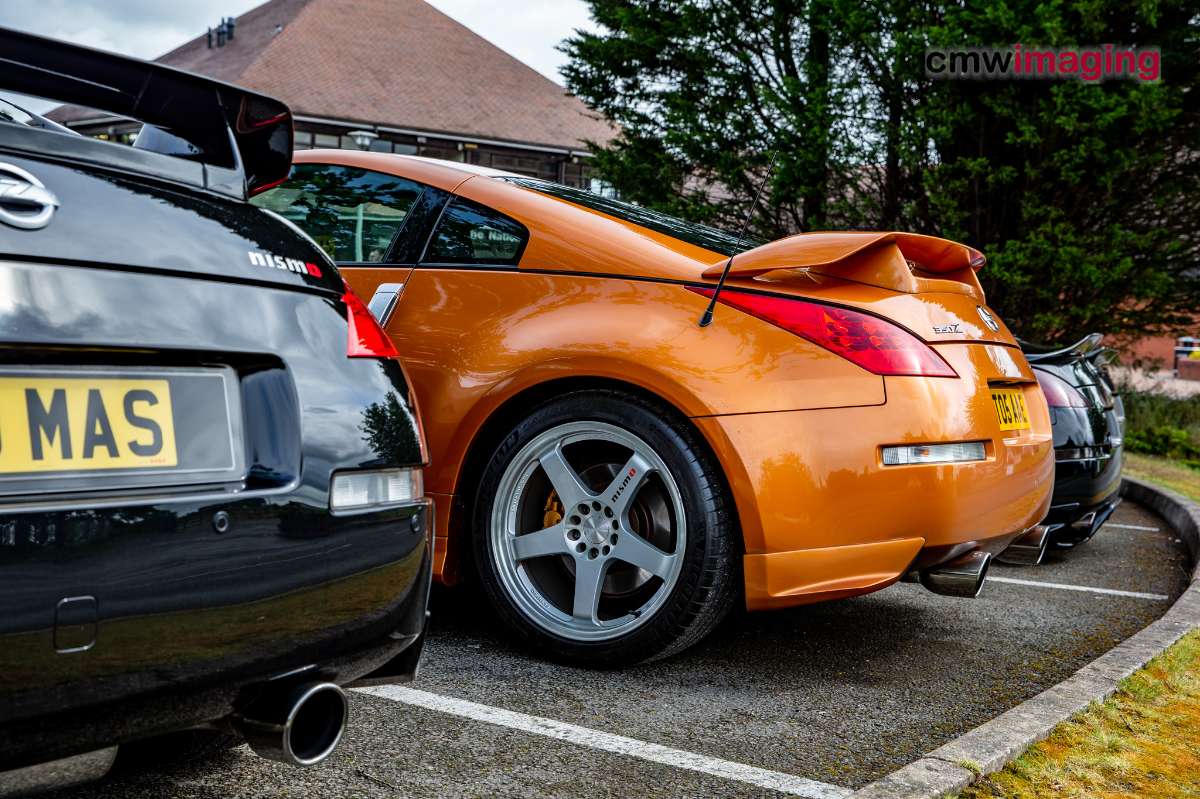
528 29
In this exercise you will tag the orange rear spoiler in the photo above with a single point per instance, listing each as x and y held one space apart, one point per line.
827 250
908 262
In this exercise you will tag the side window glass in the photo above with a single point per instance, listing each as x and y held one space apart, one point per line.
470 233
354 214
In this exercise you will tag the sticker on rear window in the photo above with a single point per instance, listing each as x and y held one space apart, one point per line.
272 261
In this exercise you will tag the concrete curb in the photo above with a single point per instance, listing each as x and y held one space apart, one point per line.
992 745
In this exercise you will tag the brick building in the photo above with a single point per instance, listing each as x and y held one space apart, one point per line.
390 76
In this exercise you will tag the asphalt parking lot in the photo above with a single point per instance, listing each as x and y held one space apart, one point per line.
812 701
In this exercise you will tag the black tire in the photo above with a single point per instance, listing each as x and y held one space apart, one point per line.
709 581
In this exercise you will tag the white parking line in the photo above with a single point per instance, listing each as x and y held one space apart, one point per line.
1132 527
618 744
1085 588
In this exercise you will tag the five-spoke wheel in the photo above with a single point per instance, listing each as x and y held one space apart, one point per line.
586 531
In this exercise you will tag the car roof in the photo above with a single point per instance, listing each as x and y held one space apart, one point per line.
612 246
472 169
446 175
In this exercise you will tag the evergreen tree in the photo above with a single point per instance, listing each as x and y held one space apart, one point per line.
1085 196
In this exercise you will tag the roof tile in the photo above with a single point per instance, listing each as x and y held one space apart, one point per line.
399 63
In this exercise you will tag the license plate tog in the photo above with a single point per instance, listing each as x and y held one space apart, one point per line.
67 423
1011 410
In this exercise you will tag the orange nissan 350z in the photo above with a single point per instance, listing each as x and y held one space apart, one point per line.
620 475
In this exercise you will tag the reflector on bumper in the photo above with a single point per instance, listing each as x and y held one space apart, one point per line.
934 453
375 489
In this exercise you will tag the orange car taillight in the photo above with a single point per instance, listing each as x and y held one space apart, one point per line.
366 338
868 341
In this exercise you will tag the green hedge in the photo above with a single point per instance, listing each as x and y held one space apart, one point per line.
1159 425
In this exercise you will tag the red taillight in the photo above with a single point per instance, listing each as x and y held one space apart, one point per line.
873 343
366 337
1059 393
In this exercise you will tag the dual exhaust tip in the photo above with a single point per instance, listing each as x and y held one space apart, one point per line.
298 724
964 575
1029 549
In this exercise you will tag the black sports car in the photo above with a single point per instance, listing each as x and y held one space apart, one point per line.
211 507
1089 423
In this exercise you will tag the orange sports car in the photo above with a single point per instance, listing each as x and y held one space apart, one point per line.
619 475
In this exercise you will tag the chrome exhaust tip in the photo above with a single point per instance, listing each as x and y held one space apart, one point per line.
962 577
1029 549
299 724
1084 522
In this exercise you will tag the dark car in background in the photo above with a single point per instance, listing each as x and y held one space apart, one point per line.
211 506
1088 420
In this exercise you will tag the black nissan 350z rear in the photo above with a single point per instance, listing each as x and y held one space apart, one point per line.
211 512
1089 420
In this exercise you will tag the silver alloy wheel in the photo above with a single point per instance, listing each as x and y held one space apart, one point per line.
601 530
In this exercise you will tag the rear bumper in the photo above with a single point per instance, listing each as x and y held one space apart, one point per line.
1081 524
823 518
360 619
1087 474
1082 486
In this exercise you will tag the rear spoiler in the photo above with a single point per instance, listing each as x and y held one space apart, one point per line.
242 140
908 262
1088 347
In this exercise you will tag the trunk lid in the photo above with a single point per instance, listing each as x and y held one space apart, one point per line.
925 284
123 221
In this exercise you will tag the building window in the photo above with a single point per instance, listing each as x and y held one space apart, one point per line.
603 188
325 140
470 233
442 153
354 214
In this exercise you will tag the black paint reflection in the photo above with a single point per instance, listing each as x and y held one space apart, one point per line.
177 598
388 429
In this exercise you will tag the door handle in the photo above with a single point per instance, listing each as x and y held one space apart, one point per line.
383 302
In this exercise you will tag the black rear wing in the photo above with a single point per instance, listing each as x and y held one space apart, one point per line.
237 142
1089 347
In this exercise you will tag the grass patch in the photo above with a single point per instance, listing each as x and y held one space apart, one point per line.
1143 742
1166 472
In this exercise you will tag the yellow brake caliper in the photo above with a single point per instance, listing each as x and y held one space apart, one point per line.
552 514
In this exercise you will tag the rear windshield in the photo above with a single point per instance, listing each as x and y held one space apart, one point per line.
710 238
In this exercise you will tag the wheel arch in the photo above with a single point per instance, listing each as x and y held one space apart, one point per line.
501 418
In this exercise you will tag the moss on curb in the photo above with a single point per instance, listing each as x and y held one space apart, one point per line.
1144 741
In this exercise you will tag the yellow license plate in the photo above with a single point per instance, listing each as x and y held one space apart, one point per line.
68 424
1011 409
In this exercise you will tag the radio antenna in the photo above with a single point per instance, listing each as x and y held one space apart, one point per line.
707 317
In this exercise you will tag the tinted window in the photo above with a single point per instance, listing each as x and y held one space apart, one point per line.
354 214
470 233
710 238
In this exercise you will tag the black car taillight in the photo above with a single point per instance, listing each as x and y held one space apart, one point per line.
1059 393
366 338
